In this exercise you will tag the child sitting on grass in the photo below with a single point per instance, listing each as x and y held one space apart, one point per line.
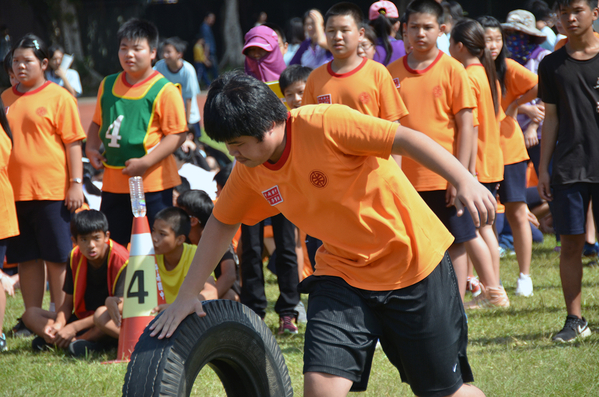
198 206
93 274
173 256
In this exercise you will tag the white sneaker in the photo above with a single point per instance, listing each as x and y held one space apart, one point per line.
524 286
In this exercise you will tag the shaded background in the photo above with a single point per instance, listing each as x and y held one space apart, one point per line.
99 20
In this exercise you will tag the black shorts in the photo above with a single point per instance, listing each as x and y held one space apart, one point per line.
570 205
462 227
422 329
117 208
513 187
491 186
45 232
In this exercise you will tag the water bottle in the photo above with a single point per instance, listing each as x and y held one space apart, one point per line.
138 199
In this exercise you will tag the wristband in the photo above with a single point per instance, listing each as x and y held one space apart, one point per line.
76 180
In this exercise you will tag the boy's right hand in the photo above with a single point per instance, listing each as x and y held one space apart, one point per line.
169 320
112 307
544 186
95 158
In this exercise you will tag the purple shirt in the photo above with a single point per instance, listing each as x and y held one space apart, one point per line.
397 47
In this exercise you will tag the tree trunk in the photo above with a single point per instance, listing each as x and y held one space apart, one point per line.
232 35
70 29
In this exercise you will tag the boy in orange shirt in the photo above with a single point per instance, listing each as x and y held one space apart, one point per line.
382 272
349 79
437 93
140 119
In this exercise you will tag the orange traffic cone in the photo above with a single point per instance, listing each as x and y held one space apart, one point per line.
143 288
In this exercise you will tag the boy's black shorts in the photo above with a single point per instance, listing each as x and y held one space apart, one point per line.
461 227
513 187
422 329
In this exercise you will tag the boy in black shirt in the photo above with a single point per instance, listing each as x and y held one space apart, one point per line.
569 86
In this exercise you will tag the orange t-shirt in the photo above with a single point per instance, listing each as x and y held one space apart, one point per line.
368 88
433 96
169 118
563 42
335 182
42 122
8 213
518 81
489 158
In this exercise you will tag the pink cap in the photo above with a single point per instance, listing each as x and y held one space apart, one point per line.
385 8
261 36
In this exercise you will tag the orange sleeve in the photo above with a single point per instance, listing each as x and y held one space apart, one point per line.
358 134
171 111
239 203
68 124
392 106
519 80
560 44
98 112
462 96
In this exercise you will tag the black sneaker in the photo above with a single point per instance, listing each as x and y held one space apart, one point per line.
82 348
575 327
20 329
38 344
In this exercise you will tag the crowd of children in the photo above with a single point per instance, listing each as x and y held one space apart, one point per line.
395 191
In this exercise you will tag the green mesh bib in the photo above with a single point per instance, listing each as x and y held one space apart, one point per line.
125 121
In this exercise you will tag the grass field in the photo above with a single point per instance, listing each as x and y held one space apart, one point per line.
510 351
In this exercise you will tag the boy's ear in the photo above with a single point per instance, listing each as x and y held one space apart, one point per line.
181 239
194 221
107 235
153 52
73 240
442 29
361 32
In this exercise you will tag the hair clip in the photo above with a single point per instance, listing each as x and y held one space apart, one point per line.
36 44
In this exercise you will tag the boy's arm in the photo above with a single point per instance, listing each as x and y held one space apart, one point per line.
92 146
74 196
187 109
548 140
212 246
227 277
529 96
471 194
472 166
166 147
465 131
68 332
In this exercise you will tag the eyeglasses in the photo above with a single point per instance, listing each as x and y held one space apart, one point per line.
366 46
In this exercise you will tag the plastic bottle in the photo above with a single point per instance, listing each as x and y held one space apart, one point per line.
138 199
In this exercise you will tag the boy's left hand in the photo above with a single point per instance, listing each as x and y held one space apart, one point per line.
478 200
74 198
450 194
64 336
135 167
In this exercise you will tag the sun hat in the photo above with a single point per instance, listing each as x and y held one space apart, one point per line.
522 21
261 36
385 8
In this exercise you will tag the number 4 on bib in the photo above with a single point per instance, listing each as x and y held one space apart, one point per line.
112 133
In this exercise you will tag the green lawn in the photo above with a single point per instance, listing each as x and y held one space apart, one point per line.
510 351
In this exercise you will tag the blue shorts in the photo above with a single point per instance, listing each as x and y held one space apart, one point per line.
45 232
570 205
462 227
422 329
117 208
491 186
513 187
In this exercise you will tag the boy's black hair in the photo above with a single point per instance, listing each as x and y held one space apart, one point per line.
183 187
53 48
240 105
500 65
293 73
33 42
295 31
565 3
179 45
222 176
430 7
196 203
182 156
345 8
277 30
453 11
137 29
177 219
539 9
88 221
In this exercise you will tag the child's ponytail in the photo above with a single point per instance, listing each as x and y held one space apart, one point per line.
382 27
471 34
4 121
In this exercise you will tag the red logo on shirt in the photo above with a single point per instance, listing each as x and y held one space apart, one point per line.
437 91
364 97
273 195
324 99
318 179
41 111
396 81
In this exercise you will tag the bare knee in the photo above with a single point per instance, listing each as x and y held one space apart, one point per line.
318 384
468 391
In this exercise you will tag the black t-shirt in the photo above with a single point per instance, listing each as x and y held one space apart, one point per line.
96 291
573 86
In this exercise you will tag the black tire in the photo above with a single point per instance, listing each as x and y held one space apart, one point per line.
231 339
